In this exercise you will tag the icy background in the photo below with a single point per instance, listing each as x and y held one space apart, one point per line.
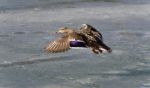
26 26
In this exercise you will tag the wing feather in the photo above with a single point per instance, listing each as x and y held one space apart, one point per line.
59 45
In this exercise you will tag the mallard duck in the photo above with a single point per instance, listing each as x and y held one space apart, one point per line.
73 38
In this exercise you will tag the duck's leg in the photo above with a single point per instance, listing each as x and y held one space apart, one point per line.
99 50
96 47
95 50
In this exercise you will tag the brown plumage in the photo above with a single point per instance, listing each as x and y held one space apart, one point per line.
95 38
82 38
59 45
90 31
63 44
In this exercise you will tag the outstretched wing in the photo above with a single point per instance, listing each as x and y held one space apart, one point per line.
59 45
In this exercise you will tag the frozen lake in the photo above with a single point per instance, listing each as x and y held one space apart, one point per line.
26 26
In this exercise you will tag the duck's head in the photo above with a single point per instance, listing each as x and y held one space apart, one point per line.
64 30
85 27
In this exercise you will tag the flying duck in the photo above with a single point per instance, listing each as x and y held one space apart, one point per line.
87 37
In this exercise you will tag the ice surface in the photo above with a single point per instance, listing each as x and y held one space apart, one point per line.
26 28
